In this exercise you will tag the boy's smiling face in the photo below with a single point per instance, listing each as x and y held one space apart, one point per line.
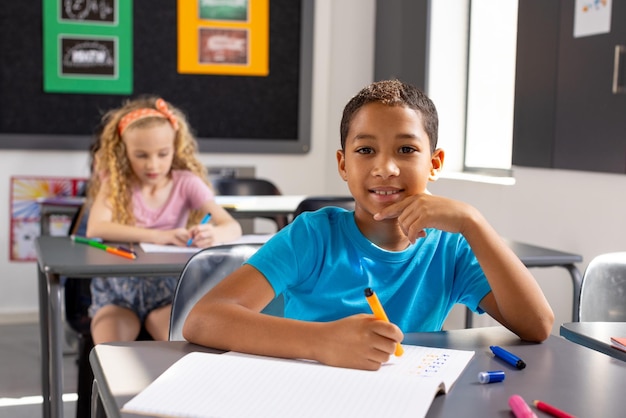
387 156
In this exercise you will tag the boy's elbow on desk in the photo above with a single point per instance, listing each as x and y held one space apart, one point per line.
537 331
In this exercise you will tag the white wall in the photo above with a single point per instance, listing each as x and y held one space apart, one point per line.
573 211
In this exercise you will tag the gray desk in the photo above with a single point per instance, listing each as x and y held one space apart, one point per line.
596 335
535 256
260 206
59 256
558 372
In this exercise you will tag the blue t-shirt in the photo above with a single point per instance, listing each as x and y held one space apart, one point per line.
322 263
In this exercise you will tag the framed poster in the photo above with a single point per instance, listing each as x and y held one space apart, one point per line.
228 37
26 195
87 46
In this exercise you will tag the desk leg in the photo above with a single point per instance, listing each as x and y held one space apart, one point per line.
97 410
469 318
577 282
56 346
44 343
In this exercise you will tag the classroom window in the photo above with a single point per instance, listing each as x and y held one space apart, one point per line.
471 78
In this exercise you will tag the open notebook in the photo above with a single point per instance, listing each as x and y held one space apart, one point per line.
241 385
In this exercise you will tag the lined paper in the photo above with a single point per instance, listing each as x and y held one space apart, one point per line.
239 385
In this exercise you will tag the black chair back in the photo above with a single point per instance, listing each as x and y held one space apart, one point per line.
250 186
244 186
317 202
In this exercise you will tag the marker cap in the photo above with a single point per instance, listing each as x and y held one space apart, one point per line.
491 376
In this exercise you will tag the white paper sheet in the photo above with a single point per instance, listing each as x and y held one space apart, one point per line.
239 385
245 239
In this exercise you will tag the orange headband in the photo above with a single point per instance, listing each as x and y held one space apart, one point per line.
161 111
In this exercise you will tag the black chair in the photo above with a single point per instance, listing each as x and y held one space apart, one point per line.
317 202
201 273
249 186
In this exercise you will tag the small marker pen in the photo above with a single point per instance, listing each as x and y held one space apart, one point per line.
128 250
379 312
510 358
520 408
491 376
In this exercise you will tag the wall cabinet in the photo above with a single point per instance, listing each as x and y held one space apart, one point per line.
570 99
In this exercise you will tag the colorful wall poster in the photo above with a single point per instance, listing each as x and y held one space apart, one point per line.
87 46
592 17
225 37
26 194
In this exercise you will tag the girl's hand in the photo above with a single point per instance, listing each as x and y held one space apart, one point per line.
203 235
178 236
358 342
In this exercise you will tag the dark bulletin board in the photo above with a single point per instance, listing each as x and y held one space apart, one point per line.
228 113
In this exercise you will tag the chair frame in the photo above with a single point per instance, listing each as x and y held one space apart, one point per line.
250 186
603 290
202 272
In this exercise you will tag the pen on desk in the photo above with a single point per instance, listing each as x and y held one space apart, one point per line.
493 376
379 312
91 242
520 408
552 410
128 250
510 358
121 253
101 246
204 220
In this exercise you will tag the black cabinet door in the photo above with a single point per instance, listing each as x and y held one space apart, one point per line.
566 114
590 122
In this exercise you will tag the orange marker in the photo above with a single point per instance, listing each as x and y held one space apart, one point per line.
379 313
120 253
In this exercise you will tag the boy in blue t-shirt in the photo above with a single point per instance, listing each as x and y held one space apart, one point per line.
421 253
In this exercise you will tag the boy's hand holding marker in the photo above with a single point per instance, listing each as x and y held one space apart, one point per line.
379 313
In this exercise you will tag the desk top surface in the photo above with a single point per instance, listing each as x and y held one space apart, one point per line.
596 335
558 372
536 256
62 256
59 255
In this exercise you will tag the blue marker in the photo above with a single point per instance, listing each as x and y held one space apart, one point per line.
204 220
510 358
491 376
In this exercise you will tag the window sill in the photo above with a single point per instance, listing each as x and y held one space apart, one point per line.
507 180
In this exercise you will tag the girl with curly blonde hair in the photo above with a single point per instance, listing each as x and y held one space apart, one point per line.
147 186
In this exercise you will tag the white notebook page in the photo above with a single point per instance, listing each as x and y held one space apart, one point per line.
239 385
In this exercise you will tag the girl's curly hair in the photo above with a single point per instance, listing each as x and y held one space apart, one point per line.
110 165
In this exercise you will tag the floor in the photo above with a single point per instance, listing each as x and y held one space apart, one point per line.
20 372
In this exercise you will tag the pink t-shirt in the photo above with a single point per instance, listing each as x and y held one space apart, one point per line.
188 193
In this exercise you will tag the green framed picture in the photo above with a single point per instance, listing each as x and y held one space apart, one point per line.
87 46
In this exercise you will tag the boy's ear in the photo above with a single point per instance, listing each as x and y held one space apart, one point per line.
341 165
436 161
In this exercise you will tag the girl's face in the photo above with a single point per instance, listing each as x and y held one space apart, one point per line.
387 156
150 151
